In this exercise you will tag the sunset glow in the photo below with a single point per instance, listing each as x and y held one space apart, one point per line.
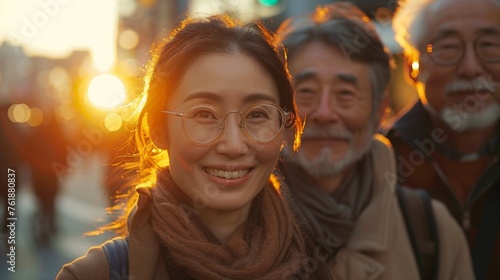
55 28
106 91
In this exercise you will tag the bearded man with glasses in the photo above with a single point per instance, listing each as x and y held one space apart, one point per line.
448 142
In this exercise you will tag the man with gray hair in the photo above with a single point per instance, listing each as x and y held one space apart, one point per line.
448 142
340 183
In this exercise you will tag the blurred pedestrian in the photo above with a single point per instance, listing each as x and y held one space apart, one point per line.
46 144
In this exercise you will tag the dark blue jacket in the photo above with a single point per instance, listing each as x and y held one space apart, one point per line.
415 142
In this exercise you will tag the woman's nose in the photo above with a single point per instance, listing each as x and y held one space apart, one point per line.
232 142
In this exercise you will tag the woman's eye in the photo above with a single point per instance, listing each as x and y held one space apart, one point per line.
203 114
258 114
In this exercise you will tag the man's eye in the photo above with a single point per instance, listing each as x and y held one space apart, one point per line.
449 46
306 91
346 93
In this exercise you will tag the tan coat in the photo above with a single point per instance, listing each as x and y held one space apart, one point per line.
144 254
379 247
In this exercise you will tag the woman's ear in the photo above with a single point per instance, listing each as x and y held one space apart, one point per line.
157 127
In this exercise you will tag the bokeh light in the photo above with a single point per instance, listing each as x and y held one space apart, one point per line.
19 113
106 91
36 117
65 112
113 122
128 39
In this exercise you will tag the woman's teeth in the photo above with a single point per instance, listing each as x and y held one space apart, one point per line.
227 174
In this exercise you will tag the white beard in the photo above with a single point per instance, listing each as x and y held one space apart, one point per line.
325 166
462 118
462 121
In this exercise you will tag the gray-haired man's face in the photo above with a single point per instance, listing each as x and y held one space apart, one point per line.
334 95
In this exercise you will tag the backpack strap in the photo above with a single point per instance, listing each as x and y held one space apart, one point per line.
421 226
489 230
116 251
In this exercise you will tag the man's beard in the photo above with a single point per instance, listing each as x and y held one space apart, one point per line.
464 117
324 165
462 121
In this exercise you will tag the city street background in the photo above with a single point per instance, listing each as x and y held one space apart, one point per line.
81 207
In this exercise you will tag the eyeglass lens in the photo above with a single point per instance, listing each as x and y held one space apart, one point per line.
450 50
204 124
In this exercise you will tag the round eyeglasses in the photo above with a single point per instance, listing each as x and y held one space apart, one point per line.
204 124
449 50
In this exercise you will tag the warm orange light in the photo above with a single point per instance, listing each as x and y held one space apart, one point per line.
113 122
106 91
55 28
429 48
36 117
65 112
414 69
19 113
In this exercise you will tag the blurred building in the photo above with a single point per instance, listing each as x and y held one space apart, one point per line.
37 89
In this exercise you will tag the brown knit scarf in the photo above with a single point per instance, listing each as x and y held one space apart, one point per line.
268 246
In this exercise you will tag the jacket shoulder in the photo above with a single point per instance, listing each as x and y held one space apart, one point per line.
448 227
93 265
454 255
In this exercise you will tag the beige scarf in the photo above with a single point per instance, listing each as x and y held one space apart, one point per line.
329 218
268 246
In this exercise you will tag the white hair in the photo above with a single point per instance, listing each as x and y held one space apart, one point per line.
410 23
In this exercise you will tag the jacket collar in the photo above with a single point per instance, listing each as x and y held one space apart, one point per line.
145 261
413 123
374 225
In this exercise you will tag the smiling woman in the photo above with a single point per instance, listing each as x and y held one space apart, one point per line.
217 101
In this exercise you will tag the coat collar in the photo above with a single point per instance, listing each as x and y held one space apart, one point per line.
374 226
145 261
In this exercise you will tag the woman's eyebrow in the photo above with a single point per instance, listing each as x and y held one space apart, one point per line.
258 97
215 97
204 95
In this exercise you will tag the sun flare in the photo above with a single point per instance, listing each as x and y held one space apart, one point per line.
106 91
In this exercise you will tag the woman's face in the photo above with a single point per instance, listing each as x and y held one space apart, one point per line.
226 174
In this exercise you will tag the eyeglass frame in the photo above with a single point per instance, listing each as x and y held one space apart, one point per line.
222 125
464 48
